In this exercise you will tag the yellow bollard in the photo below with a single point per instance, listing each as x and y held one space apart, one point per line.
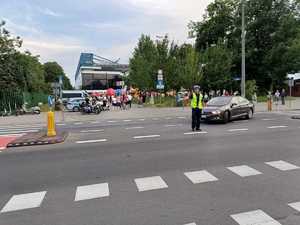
51 124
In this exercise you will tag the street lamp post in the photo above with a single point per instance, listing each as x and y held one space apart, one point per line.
243 80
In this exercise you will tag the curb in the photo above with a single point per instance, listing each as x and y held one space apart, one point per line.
55 140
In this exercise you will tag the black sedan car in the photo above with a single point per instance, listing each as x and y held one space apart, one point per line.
227 109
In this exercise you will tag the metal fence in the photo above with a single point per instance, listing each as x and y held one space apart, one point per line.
11 100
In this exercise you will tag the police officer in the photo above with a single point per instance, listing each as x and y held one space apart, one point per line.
197 106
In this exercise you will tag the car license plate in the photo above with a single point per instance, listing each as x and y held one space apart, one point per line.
203 116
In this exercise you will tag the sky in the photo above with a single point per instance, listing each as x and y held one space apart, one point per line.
59 30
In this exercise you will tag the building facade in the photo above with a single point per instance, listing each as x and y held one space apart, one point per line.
98 73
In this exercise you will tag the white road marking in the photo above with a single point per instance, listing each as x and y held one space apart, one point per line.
91 141
282 165
170 125
150 183
95 122
244 171
11 135
24 201
190 224
147 136
18 132
127 120
92 191
197 177
181 117
194 133
155 119
168 118
111 121
133 128
267 119
276 127
91 131
141 119
295 205
79 123
257 217
61 124
240 129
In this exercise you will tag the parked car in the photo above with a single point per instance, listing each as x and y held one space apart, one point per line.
227 109
74 104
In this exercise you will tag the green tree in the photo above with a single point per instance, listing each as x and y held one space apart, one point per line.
8 50
272 26
143 64
53 71
217 64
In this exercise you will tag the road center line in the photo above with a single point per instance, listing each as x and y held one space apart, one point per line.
147 136
240 129
193 133
133 128
91 141
276 127
90 131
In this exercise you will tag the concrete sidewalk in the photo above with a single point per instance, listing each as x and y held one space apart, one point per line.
135 112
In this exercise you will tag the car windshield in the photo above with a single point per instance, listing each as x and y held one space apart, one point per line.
219 101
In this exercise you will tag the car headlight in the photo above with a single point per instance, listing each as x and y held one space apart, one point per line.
216 112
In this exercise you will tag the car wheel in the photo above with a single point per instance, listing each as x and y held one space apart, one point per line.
76 109
250 114
226 117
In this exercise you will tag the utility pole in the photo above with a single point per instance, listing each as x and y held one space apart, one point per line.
243 80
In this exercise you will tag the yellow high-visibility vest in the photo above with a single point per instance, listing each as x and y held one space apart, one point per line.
194 101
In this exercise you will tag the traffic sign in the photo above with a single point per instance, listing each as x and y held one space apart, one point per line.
291 82
160 85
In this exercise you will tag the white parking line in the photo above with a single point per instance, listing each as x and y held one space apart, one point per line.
147 136
258 217
91 131
194 133
239 129
91 141
133 128
277 127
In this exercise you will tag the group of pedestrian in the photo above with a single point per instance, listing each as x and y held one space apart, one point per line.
280 96
122 102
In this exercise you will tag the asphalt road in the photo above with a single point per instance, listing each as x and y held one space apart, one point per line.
155 172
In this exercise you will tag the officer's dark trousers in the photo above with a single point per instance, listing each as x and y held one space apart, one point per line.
196 117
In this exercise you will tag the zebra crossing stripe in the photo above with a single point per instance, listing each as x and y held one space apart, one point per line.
150 183
257 217
282 165
24 201
197 177
295 205
92 191
244 171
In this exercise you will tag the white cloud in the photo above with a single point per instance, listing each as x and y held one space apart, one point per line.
49 12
